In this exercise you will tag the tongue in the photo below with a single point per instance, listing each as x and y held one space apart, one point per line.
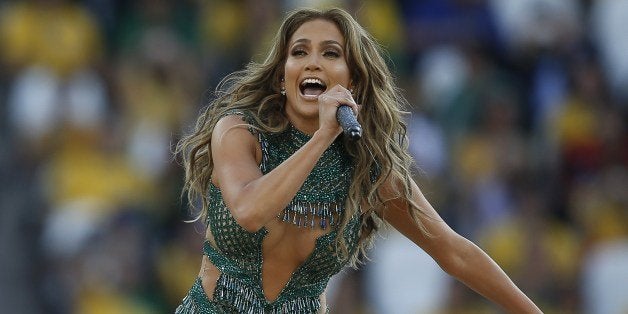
312 91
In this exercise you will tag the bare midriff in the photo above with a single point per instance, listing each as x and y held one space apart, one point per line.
284 249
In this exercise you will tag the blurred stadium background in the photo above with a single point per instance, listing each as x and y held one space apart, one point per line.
518 125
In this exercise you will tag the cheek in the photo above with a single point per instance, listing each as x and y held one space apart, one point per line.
342 73
290 71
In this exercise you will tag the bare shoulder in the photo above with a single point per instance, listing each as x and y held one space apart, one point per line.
234 147
232 122
233 130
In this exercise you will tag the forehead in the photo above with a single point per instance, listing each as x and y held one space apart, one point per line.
317 31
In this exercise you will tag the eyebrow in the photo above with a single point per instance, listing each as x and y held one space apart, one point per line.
323 43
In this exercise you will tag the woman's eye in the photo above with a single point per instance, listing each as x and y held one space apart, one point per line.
298 52
331 54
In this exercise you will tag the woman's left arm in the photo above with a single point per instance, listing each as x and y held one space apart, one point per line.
455 254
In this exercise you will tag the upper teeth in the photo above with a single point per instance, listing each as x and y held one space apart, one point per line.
312 81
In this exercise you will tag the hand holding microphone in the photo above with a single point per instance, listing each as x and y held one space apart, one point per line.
344 112
349 123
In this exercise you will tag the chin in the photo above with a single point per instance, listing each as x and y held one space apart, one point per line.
308 111
303 110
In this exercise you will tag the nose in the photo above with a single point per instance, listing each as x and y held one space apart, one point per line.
313 63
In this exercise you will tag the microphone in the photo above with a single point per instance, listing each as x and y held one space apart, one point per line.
347 120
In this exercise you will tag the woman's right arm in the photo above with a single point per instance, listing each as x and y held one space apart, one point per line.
252 197
455 254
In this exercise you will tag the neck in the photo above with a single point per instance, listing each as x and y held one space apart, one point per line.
305 124
307 128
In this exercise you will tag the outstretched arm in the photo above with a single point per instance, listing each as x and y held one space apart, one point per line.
455 254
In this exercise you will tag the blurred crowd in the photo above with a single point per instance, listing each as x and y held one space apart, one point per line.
518 126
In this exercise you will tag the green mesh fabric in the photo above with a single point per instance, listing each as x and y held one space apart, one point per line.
320 200
238 253
329 180
196 302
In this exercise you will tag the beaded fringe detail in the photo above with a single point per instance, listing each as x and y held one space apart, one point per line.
243 299
298 306
239 296
187 306
306 214
196 302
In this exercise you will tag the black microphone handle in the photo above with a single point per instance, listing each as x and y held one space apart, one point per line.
348 122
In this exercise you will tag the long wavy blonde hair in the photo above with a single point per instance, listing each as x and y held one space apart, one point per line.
256 89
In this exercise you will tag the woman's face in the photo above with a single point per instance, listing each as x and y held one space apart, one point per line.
316 62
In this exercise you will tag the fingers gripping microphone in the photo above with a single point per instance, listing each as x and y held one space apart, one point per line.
347 120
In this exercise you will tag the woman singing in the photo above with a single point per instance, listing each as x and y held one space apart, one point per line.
288 200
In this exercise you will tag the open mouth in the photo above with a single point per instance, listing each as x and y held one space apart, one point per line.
312 87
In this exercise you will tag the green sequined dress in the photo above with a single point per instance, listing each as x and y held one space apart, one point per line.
238 253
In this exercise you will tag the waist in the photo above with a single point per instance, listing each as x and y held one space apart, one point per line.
302 282
221 302
242 292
